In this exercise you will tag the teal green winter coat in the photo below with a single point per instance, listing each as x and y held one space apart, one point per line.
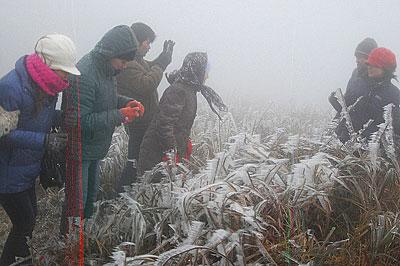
94 93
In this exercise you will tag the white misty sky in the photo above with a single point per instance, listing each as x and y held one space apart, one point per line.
282 50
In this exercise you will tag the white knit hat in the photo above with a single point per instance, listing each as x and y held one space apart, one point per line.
58 52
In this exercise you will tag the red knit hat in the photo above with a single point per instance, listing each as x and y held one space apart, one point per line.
382 58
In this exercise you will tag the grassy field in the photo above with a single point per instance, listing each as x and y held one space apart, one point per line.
266 186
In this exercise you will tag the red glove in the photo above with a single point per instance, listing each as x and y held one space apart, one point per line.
135 103
129 113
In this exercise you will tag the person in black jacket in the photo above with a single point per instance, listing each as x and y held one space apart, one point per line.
167 138
377 93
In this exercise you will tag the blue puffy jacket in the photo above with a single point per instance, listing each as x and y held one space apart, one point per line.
21 151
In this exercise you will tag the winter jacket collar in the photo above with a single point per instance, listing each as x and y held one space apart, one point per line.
23 75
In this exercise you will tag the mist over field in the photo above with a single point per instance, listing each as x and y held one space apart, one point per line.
285 51
270 183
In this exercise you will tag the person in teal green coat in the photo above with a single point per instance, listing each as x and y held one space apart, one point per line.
92 111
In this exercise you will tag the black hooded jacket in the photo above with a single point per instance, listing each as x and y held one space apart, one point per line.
374 96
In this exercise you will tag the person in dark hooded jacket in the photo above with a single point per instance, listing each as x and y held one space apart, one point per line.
167 137
93 110
31 88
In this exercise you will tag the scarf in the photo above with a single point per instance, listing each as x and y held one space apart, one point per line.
44 77
192 72
213 99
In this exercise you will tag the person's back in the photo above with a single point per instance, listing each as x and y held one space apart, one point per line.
168 136
171 125
358 86
140 81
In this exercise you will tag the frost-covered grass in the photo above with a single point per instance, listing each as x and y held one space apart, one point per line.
264 187
267 187
8 121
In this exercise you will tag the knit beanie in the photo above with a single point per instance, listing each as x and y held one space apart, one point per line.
366 46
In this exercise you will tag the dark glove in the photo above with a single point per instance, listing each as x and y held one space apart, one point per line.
169 47
55 142
165 57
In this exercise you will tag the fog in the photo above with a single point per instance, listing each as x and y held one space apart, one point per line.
287 51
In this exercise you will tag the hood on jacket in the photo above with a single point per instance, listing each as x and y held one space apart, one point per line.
119 42
192 71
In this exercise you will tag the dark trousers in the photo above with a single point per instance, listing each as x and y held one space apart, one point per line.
128 174
136 136
22 209
90 187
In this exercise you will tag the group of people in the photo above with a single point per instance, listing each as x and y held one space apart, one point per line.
112 85
368 91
